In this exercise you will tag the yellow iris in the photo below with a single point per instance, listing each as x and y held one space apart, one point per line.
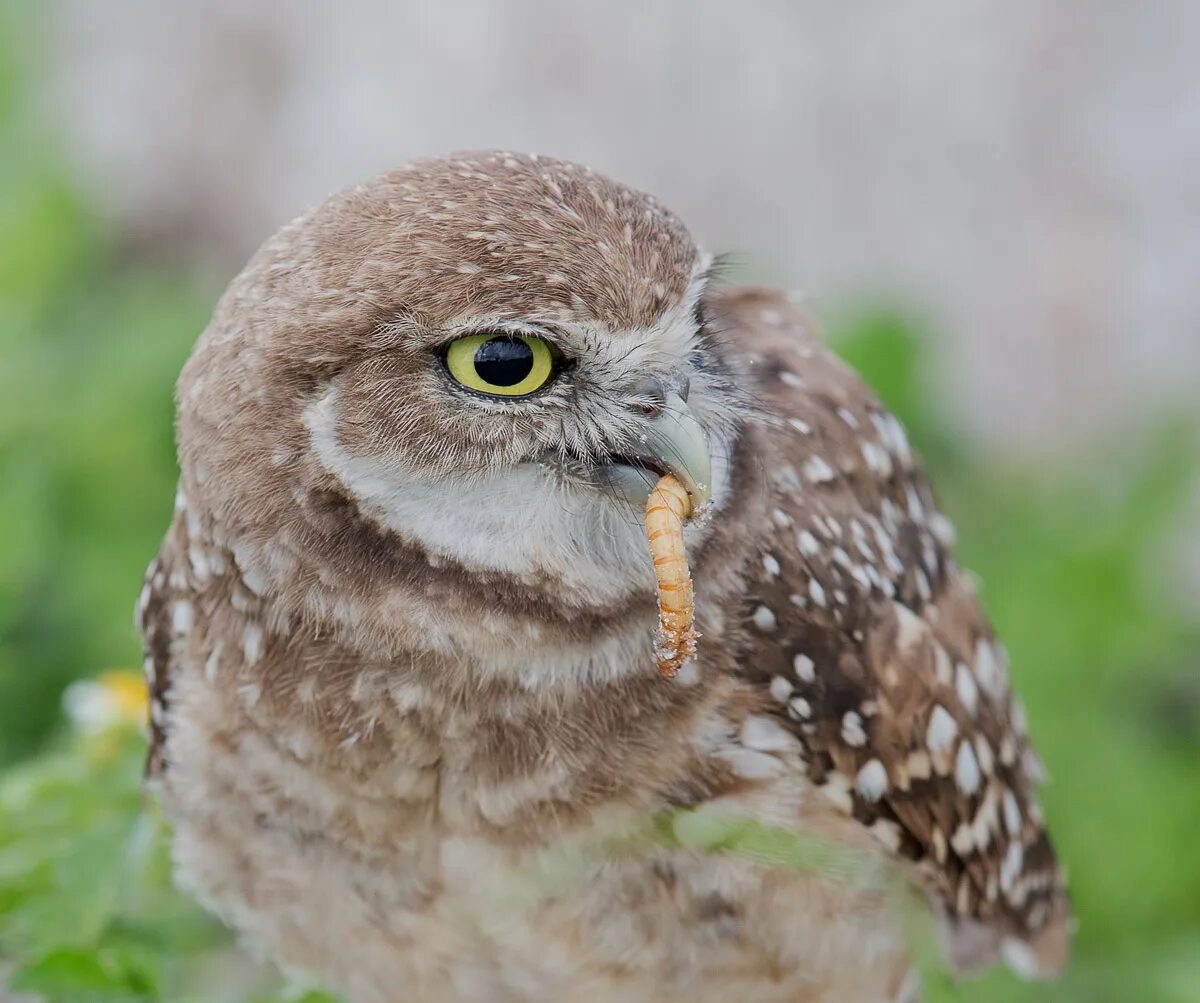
503 365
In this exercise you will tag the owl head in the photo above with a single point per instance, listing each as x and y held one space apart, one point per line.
436 403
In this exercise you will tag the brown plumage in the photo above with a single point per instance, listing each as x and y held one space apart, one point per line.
400 634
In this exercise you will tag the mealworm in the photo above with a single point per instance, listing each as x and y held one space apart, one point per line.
666 509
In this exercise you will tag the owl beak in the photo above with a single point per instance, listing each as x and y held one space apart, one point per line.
673 442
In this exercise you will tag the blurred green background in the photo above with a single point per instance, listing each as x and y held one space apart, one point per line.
1076 562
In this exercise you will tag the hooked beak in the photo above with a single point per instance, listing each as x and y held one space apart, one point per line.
672 443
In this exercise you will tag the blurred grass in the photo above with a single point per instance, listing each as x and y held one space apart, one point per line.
1076 566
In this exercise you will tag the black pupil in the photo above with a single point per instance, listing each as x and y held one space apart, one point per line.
503 362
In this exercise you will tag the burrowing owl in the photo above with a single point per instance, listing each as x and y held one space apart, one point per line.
406 721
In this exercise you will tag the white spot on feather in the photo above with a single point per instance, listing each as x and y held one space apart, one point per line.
872 781
852 729
808 544
818 471
966 770
1012 814
964 686
800 708
752 765
942 729
1020 957
764 618
765 735
911 628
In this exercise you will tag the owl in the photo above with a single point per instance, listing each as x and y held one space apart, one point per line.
406 722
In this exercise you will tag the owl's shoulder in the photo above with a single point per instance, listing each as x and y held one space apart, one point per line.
869 642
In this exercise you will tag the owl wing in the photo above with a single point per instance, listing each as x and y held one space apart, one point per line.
161 617
869 641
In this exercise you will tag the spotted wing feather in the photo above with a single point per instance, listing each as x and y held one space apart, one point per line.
871 644
158 621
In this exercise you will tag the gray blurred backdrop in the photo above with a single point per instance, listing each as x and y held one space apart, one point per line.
1026 173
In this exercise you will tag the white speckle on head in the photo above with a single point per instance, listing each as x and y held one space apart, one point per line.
964 686
252 638
766 735
181 617
780 518
784 476
807 544
781 688
818 471
892 434
1012 814
848 417
801 426
816 592
805 668
791 379
966 770
872 781
852 729
942 729
861 578
764 618
770 565
877 459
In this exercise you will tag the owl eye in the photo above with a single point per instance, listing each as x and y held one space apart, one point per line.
503 365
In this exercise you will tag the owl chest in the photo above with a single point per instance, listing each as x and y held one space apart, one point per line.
413 865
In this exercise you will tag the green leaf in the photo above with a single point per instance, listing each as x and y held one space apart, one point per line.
75 975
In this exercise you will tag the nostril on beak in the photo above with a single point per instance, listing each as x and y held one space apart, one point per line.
653 392
652 397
